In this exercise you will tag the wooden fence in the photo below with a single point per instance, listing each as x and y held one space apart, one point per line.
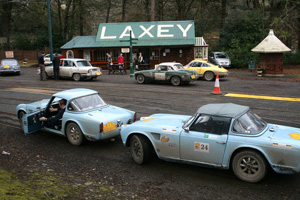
20 55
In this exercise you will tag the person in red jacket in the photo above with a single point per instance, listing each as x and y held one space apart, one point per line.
121 62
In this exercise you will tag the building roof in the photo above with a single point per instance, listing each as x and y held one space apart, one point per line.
271 44
80 42
223 109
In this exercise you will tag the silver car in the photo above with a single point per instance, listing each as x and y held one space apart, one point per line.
219 58
75 68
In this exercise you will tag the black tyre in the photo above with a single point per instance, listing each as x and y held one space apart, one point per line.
140 79
20 116
76 77
249 166
175 80
209 76
74 134
140 149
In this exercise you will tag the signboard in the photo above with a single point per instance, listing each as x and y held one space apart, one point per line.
157 33
9 54
125 50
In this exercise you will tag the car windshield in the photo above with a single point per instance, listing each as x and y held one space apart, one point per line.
83 63
249 123
9 62
86 103
189 121
221 55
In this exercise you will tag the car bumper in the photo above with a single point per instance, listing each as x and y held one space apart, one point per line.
225 66
9 71
223 74
89 76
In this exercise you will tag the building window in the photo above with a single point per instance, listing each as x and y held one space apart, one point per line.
100 55
154 54
201 53
70 54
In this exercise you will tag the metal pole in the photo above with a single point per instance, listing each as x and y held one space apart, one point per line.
130 52
50 31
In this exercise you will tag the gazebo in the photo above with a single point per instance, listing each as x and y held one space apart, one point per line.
271 51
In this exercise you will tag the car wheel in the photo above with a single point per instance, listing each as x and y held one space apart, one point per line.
140 79
20 116
74 134
249 166
175 80
209 76
139 148
76 77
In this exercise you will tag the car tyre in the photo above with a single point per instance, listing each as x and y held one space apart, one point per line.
209 76
76 77
20 116
249 166
140 149
140 79
175 80
74 134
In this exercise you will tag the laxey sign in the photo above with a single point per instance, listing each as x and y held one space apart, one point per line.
148 33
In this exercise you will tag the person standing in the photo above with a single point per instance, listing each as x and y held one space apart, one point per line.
109 63
56 63
121 62
42 66
140 60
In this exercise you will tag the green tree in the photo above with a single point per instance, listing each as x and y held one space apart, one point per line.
242 32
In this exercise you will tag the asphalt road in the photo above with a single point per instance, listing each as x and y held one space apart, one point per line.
110 163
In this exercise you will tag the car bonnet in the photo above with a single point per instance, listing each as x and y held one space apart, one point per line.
285 133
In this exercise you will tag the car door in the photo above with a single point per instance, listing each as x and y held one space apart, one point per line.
206 140
160 73
31 122
65 70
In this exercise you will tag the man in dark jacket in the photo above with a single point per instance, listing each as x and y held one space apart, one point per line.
56 63
55 121
42 66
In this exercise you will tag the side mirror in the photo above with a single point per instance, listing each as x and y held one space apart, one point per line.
186 129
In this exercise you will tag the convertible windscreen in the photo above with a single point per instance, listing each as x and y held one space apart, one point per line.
249 123
86 103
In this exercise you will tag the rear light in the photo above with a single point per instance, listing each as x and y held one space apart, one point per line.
101 127
89 71
134 117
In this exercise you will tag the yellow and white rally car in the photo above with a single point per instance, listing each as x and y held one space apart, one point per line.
206 70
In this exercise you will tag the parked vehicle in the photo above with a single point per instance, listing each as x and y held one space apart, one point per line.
75 68
206 70
217 135
220 58
10 66
166 72
86 116
47 59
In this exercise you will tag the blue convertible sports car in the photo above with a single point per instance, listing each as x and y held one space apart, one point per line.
219 135
86 116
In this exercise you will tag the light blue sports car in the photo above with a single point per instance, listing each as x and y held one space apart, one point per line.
86 116
218 135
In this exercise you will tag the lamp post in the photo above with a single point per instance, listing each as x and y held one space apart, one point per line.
63 7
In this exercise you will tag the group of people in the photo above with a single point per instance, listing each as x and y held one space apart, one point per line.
56 63
110 65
